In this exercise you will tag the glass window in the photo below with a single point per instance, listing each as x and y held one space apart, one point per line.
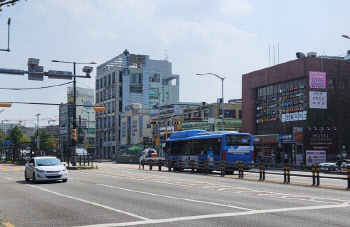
342 84
331 83
136 78
135 89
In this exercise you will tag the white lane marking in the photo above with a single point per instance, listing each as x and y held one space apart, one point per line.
92 203
225 187
243 213
7 178
172 197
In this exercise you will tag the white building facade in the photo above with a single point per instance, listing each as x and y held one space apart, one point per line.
122 81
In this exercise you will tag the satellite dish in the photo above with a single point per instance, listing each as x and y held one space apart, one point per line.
87 105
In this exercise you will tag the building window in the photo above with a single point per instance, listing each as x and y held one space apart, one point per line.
120 106
331 83
240 114
135 89
97 84
342 84
136 78
120 76
155 78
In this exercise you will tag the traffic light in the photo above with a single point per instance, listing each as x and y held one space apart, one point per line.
177 123
154 122
74 134
5 104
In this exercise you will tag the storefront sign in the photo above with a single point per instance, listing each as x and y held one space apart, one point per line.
318 100
298 134
314 157
285 138
317 79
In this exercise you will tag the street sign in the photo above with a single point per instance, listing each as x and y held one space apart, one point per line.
6 142
60 74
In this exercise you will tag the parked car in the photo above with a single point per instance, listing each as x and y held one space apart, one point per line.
328 166
45 169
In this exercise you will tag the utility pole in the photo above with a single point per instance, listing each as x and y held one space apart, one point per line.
74 123
38 136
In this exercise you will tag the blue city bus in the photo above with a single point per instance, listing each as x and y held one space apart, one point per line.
201 146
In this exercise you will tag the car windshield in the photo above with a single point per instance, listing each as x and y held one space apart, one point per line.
48 162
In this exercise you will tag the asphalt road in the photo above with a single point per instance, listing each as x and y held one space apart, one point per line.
123 195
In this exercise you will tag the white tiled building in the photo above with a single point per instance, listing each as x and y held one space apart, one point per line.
122 81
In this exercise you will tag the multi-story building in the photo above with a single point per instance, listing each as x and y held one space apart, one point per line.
135 125
6 127
85 116
122 81
298 108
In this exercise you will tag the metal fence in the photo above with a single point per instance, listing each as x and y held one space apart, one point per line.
262 169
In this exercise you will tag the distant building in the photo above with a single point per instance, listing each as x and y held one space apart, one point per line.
85 115
122 81
135 126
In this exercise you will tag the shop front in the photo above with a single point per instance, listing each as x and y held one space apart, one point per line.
266 149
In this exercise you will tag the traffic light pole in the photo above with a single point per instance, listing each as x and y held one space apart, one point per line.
74 142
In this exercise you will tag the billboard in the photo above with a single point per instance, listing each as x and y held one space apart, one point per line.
317 79
315 157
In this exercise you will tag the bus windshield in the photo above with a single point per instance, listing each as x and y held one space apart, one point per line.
238 140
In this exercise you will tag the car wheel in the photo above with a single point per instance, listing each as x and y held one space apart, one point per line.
34 179
65 180
25 176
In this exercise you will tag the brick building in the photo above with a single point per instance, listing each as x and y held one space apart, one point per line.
309 94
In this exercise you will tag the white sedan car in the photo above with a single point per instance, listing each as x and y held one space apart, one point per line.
45 169
328 166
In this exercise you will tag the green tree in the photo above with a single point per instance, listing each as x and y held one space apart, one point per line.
2 137
15 136
45 141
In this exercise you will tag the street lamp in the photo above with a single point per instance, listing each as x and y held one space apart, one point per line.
74 142
222 90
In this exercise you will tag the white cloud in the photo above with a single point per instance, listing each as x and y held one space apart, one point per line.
235 7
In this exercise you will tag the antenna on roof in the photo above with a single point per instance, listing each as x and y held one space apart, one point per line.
166 55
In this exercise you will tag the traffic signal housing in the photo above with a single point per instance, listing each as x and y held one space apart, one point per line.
74 134
154 122
177 123
5 104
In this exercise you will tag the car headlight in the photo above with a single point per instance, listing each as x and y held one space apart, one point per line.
40 170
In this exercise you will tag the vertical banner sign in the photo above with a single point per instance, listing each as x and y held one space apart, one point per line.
298 134
317 79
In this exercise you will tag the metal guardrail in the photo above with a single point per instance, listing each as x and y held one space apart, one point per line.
242 167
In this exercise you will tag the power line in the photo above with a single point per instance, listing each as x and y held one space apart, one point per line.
35 87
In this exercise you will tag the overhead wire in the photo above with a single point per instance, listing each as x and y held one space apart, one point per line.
58 85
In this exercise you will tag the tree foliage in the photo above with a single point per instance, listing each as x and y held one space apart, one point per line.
16 137
45 141
8 3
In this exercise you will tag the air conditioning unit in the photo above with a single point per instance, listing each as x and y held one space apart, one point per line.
312 54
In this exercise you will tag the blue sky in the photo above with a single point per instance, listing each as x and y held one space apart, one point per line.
226 37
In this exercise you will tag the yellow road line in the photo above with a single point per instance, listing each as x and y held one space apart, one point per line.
4 169
16 168
8 224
